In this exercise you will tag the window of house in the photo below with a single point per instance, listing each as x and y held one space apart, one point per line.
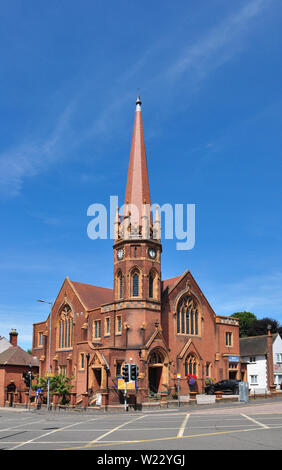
279 357
252 358
97 329
208 369
253 379
228 338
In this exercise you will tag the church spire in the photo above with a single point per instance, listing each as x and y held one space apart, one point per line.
137 188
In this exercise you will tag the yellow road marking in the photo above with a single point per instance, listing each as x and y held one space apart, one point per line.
109 443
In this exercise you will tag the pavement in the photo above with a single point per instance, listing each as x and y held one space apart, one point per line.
256 425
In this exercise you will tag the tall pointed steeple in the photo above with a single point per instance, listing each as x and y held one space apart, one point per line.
137 188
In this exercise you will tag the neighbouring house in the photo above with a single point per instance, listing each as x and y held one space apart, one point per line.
261 362
13 362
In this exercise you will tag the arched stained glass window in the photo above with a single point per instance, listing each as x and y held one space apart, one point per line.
191 365
65 328
187 322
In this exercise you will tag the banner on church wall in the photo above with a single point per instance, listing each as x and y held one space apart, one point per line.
233 359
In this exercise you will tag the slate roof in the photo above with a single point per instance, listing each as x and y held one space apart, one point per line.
93 296
169 284
255 345
16 356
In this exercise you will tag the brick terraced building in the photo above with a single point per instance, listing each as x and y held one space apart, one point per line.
166 327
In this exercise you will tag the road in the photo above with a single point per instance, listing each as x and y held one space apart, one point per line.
236 426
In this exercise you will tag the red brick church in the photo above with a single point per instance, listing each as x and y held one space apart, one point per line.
166 327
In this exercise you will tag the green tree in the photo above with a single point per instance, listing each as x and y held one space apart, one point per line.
246 320
58 384
260 327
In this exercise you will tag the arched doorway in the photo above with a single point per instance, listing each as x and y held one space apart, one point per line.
157 371
97 375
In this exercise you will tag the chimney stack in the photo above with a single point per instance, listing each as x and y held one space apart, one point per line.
13 337
270 381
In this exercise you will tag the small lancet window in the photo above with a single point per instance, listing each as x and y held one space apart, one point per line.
135 285
151 286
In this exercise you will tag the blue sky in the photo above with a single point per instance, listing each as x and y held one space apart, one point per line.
210 77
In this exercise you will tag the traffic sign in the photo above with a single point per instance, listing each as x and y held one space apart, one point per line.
121 385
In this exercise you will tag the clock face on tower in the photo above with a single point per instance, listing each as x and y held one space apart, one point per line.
120 254
152 253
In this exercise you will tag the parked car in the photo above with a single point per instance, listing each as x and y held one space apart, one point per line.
225 386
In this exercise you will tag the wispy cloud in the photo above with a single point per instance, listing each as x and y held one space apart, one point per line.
207 53
31 157
218 46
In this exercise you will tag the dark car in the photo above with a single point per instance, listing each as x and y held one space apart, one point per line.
225 386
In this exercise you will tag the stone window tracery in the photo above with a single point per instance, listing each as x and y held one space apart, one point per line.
187 322
156 358
65 328
191 366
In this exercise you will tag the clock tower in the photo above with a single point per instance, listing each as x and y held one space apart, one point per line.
137 246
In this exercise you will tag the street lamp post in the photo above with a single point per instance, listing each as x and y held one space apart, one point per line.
49 353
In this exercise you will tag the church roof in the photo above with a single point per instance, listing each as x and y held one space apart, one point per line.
172 282
169 283
16 356
92 296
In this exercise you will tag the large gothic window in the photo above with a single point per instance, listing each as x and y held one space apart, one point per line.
187 316
65 328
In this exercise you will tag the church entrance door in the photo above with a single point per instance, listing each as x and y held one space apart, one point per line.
155 374
97 378
157 371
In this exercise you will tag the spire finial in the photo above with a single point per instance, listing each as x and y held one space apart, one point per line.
138 102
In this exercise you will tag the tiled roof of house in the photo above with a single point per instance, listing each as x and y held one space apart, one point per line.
93 296
255 345
18 357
